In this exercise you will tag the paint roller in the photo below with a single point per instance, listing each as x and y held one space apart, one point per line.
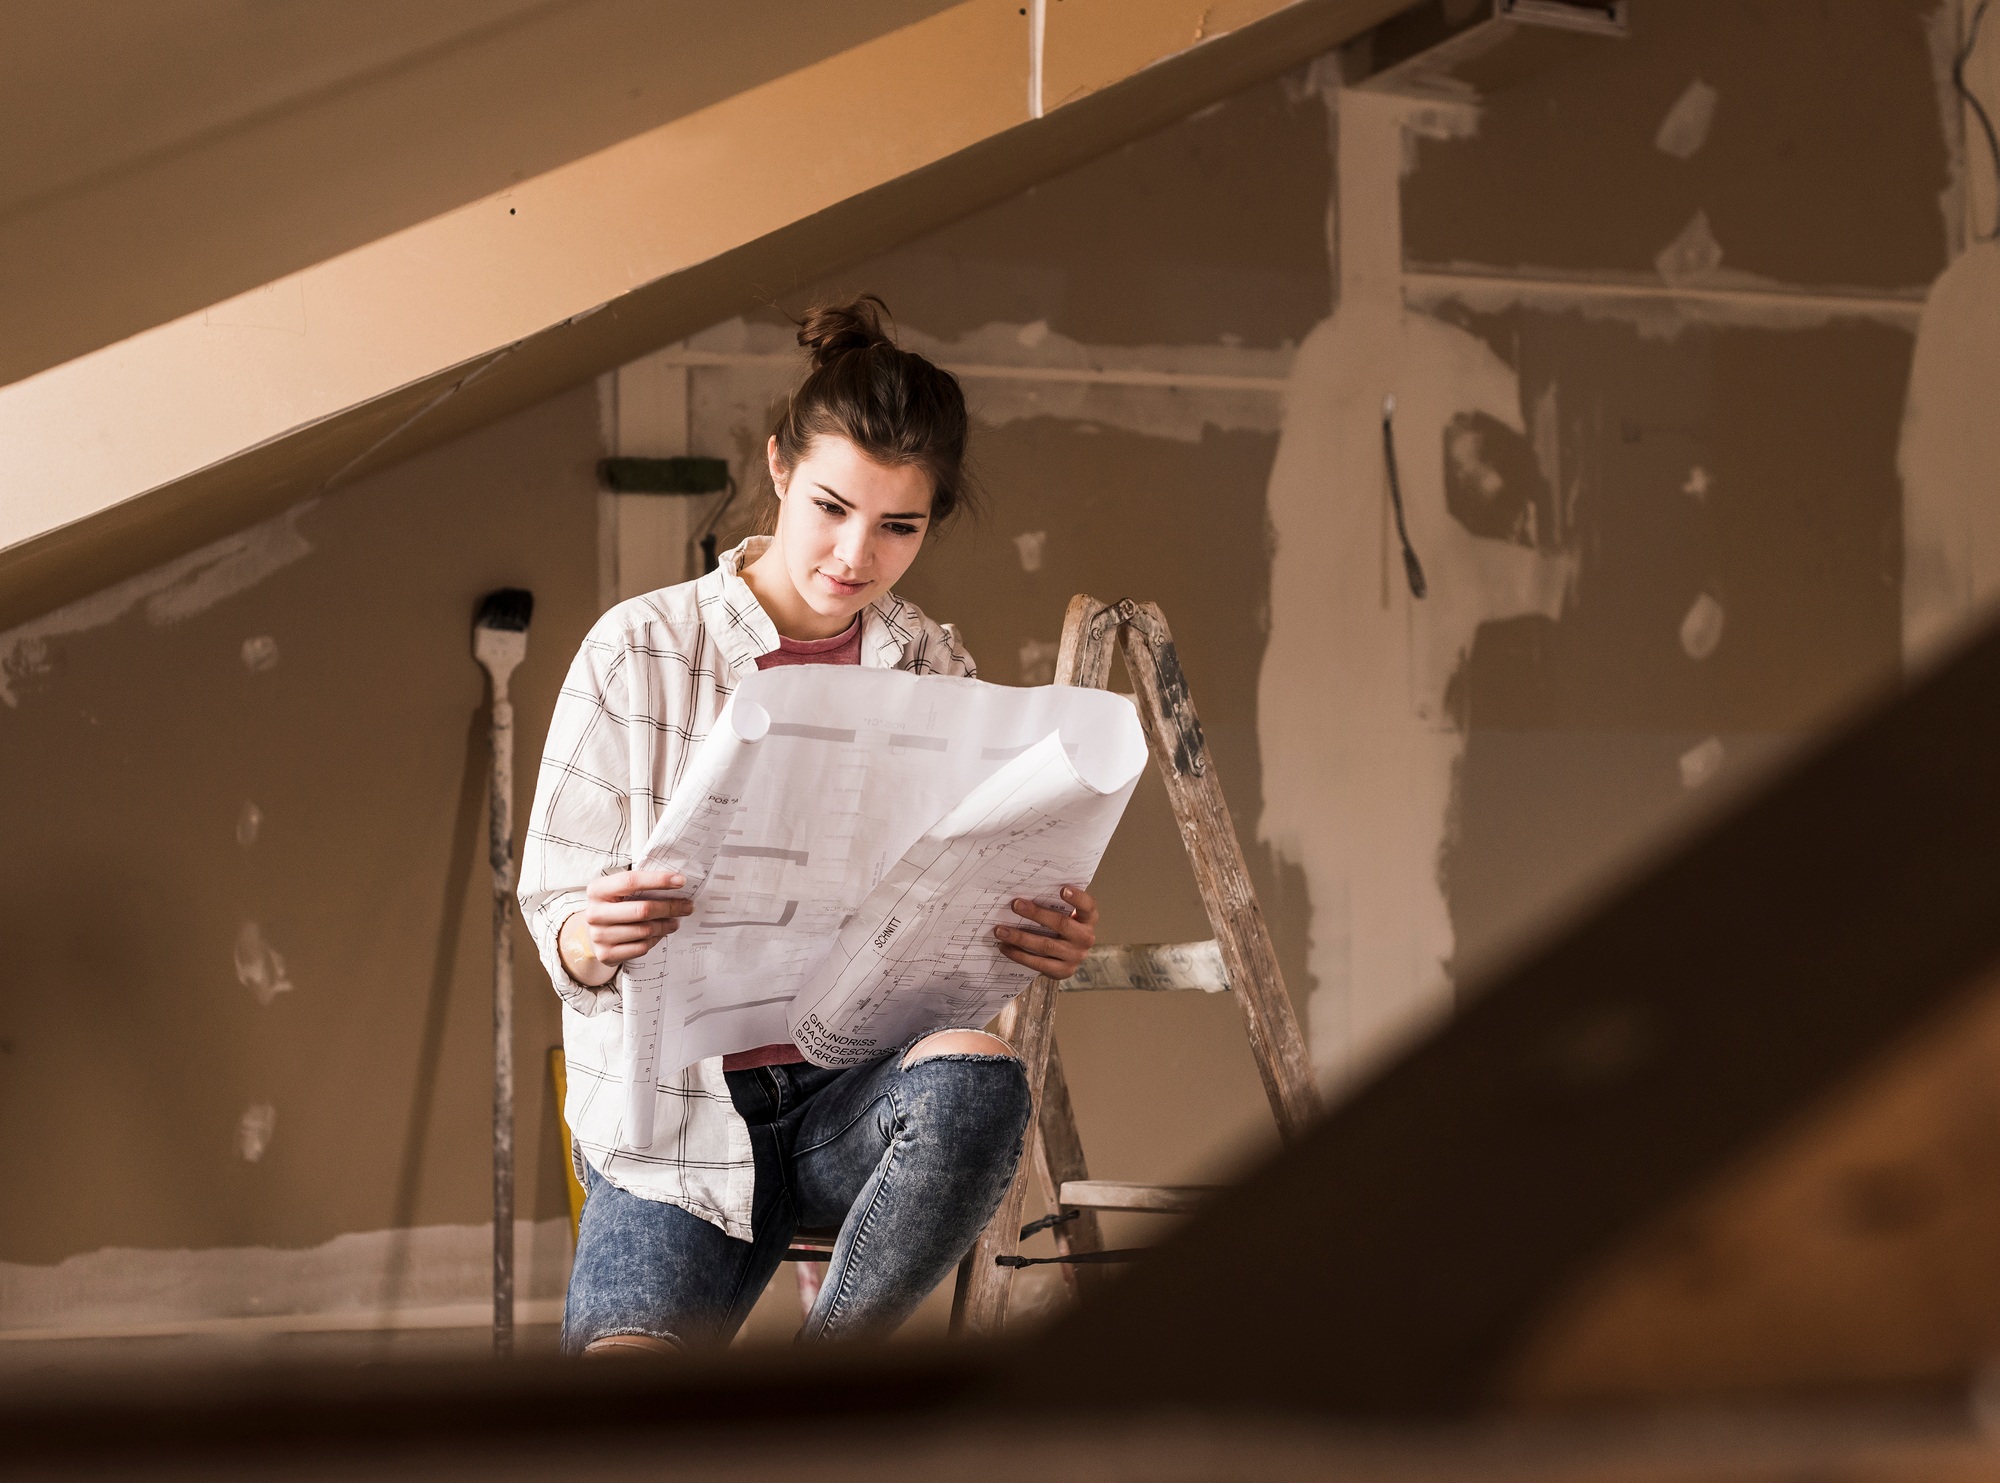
500 643
682 474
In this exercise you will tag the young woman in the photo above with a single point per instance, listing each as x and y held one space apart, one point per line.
908 1155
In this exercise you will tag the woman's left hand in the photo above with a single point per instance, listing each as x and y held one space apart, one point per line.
1060 955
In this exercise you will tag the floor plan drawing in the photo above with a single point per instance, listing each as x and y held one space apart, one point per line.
919 952
849 839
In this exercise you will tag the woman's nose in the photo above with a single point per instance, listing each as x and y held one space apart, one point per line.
852 548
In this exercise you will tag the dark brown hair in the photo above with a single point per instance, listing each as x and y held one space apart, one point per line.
891 403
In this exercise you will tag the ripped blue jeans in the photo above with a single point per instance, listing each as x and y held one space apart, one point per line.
909 1163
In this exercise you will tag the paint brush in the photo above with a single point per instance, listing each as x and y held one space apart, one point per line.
500 643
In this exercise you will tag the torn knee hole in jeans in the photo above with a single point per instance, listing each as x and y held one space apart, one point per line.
958 1045
637 1341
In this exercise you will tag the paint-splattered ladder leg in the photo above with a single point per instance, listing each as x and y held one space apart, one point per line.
1173 731
1058 1161
1028 1024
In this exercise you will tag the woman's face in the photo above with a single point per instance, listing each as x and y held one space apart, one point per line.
848 527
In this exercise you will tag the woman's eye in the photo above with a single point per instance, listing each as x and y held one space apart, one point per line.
829 507
896 528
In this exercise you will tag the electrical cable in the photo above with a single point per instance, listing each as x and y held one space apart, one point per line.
1412 568
706 540
1979 112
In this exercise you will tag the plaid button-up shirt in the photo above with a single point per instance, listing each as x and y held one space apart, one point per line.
650 680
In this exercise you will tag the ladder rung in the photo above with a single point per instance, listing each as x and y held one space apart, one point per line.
812 1245
1105 1194
1154 966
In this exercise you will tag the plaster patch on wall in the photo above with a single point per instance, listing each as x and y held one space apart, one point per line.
1658 312
1701 627
1701 762
1428 115
1949 449
254 1130
1031 544
260 653
1547 438
1693 256
1941 34
1359 752
1685 128
1009 372
122 1290
167 594
249 820
1464 449
259 967
1697 484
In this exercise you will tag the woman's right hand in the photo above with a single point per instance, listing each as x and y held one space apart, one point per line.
627 913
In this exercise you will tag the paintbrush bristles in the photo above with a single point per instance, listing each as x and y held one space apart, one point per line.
500 633
508 608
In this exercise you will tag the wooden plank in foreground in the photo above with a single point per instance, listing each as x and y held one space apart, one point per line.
1409 1255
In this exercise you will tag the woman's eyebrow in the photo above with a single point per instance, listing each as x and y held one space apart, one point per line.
849 504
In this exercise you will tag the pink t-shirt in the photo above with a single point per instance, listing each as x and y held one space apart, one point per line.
843 648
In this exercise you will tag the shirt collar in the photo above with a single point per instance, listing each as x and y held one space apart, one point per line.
744 631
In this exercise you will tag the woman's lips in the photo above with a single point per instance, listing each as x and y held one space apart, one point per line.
842 588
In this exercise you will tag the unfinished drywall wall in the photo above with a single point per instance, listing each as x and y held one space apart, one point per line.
247 924
1359 745
1653 491
1807 137
1949 452
1648 370
1949 455
1658 507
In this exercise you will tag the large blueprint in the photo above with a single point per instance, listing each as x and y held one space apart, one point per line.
850 838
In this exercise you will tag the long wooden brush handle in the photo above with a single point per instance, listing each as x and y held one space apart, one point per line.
500 849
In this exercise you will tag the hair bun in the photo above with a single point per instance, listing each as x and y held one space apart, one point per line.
831 330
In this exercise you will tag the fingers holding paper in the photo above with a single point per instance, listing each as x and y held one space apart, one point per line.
625 914
1056 942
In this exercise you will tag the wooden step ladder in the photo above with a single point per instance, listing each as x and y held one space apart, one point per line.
1239 960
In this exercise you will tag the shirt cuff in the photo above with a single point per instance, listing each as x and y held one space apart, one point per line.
582 997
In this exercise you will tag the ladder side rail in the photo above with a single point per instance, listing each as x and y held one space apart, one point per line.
979 1307
1173 732
1059 1161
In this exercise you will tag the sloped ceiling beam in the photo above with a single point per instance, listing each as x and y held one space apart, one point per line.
180 434
156 159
